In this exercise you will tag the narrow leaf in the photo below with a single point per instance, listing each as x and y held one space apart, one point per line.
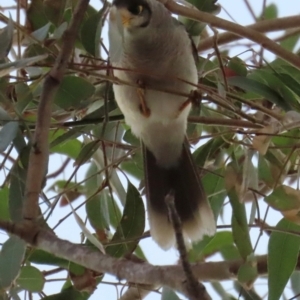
11 257
6 37
16 193
131 226
260 89
6 68
283 252
240 228
7 134
91 33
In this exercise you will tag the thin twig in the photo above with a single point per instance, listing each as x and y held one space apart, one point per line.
224 122
195 290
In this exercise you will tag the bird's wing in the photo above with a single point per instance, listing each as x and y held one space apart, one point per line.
193 46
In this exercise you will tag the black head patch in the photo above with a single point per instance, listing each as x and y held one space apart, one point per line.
135 7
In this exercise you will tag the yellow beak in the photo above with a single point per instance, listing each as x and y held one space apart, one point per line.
126 17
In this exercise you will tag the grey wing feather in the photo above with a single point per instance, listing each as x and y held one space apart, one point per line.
193 46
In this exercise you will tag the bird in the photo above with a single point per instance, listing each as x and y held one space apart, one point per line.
152 59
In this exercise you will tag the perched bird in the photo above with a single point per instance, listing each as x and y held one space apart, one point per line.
152 55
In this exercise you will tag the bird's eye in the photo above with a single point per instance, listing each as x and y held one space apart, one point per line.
136 9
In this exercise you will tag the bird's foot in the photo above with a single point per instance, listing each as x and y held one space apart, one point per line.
145 111
195 97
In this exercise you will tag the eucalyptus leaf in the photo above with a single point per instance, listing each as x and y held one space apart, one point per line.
131 225
7 134
11 257
72 92
91 33
283 252
31 279
6 38
7 68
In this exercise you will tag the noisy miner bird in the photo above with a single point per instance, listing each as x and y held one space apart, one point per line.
152 56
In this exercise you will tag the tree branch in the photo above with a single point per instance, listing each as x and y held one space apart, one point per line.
169 275
262 26
39 154
239 30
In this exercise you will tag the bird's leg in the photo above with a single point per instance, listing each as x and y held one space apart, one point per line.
194 95
183 106
141 94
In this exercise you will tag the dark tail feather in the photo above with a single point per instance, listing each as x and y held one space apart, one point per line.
190 200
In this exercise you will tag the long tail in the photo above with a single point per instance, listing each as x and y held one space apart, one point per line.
190 200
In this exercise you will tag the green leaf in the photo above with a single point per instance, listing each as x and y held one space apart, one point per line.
245 293
238 66
247 272
220 240
290 82
6 37
72 91
11 257
269 77
65 143
270 12
260 89
16 193
215 190
284 198
24 97
31 279
290 42
91 33
210 245
54 10
219 289
115 214
240 228
295 282
8 132
283 252
60 137
4 116
168 294
264 171
7 68
208 150
97 211
194 28
36 15
4 209
230 252
131 139
131 226
87 152
69 293
41 33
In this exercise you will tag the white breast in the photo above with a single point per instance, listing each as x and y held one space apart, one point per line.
164 130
